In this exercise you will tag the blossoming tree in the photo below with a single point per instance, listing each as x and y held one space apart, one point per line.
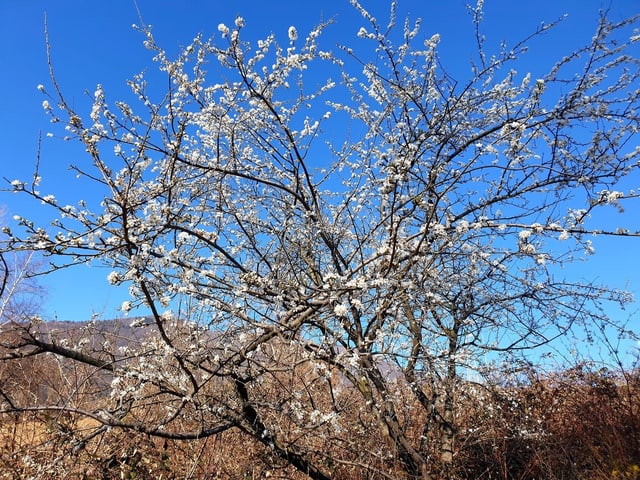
326 258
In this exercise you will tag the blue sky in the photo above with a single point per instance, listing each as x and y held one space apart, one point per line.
94 42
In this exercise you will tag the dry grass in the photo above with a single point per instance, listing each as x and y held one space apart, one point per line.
574 425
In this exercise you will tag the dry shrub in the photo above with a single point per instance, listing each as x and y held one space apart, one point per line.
581 423
576 424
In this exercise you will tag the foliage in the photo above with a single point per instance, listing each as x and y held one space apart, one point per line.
307 287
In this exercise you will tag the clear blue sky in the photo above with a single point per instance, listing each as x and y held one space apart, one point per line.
93 42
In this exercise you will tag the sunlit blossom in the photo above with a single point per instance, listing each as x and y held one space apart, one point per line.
222 28
113 278
524 234
293 33
126 306
341 310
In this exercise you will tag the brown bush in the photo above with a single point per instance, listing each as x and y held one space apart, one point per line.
576 424
581 423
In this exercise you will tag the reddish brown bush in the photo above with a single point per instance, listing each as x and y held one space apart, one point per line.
582 423
576 424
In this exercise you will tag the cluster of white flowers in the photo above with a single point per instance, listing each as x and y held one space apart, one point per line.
527 248
341 310
114 278
462 226
524 234
293 33
439 230
316 417
222 28
432 42
611 197
183 237
126 306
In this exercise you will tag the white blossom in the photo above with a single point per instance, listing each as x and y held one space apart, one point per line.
114 278
293 33
341 310
463 226
611 196
524 234
126 306
527 248
433 41
222 28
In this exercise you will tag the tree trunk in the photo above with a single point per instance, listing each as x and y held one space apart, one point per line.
447 437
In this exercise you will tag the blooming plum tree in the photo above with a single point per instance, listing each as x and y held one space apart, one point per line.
325 257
